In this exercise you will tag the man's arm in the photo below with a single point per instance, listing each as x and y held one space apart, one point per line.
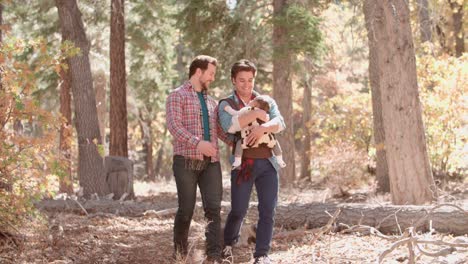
251 116
225 137
276 122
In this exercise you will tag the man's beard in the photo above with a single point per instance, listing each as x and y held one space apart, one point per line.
204 87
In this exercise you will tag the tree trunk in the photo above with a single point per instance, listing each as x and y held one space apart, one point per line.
282 91
90 163
1 42
387 219
158 165
5 180
100 92
307 123
411 180
1 22
147 138
383 183
65 180
457 17
425 23
118 83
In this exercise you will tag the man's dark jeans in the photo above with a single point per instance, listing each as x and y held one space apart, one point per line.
209 181
265 178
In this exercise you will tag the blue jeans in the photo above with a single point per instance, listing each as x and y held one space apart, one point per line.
210 183
265 178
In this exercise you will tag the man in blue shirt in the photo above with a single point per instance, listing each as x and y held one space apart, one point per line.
259 166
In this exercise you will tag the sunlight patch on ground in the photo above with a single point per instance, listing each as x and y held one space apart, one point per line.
143 188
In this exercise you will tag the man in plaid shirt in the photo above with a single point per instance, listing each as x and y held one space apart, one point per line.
192 120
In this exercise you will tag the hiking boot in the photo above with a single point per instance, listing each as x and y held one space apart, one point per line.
262 260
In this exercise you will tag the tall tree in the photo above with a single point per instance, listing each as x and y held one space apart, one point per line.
65 180
282 87
307 122
100 84
457 20
4 183
1 38
383 182
118 93
90 163
391 42
425 23
147 136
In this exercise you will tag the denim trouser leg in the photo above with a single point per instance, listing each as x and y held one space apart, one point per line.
211 189
186 182
210 184
240 196
265 178
266 183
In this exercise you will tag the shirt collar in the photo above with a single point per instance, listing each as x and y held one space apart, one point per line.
239 100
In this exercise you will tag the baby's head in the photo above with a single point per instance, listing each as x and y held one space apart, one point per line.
260 102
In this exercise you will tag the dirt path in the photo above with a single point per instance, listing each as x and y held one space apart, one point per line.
108 238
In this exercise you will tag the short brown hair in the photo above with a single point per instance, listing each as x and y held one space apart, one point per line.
201 62
243 65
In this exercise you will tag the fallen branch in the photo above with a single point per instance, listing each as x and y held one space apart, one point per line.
369 229
441 253
393 247
327 227
161 213
81 206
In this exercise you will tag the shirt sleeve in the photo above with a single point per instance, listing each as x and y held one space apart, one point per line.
275 116
225 137
174 115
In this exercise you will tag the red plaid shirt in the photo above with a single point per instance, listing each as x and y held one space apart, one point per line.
184 121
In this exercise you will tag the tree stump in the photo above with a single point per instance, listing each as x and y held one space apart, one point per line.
119 176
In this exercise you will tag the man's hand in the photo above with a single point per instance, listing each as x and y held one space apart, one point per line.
206 148
255 134
262 115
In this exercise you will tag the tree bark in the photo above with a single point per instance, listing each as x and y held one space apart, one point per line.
307 123
282 91
66 181
90 163
383 183
411 180
457 17
100 92
147 138
425 23
387 219
118 94
159 164
1 42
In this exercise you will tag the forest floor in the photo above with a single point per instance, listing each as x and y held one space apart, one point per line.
93 237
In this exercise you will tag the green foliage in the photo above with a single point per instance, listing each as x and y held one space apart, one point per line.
442 81
345 118
304 36
25 156
241 32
